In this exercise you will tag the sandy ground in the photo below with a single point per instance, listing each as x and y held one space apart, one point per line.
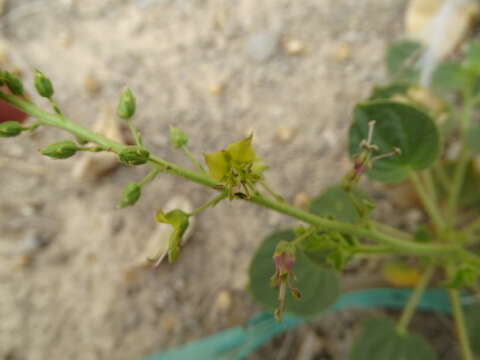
217 69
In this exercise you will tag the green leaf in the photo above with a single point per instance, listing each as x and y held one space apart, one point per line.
218 165
388 91
397 126
398 60
241 152
449 76
319 287
335 202
379 340
472 316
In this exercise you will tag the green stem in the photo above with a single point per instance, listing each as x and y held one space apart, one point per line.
205 206
151 175
270 191
442 175
458 178
306 234
401 245
373 249
461 167
430 206
430 185
193 159
409 309
135 133
460 325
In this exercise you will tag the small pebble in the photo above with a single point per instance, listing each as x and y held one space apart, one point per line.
294 47
22 262
342 52
223 302
91 83
262 46
66 40
168 321
301 200
216 88
284 134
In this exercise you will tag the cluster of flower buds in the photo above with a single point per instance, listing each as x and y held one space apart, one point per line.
284 259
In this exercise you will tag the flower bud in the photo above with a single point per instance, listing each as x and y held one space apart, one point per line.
133 155
13 83
10 129
178 138
126 104
131 193
60 150
43 85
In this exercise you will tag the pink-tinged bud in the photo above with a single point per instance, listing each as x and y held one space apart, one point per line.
284 263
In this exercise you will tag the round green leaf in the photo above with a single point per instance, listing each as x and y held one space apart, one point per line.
399 60
449 76
472 316
335 202
397 126
319 287
379 340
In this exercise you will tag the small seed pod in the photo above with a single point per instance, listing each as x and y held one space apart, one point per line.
126 104
178 138
10 129
60 150
43 85
134 155
131 193
13 83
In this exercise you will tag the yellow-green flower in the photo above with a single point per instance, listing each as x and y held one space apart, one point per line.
236 166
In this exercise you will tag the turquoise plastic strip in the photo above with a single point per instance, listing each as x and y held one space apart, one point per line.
238 342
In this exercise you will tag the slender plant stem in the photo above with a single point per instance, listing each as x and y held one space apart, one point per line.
461 166
193 159
412 303
442 175
458 178
400 245
305 235
151 175
430 206
135 133
270 191
430 185
208 204
373 249
460 325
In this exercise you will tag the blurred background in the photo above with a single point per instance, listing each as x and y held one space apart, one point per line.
290 71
